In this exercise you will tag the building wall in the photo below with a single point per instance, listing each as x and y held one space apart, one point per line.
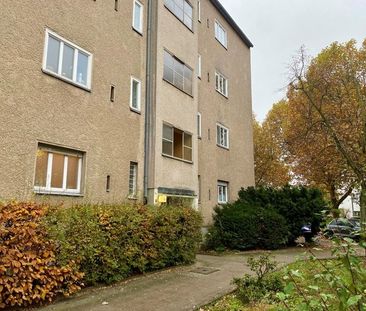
235 165
36 107
173 106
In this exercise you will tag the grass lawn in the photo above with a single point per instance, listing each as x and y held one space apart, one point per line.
308 270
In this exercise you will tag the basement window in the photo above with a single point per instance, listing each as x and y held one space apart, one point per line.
177 143
132 182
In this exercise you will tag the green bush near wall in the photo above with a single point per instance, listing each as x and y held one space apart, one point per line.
265 218
242 226
111 242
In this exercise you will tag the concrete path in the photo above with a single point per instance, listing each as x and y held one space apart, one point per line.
173 289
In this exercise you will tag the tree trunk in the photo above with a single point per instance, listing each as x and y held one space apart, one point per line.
363 205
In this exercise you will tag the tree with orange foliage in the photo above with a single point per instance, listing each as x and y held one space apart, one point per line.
330 91
270 164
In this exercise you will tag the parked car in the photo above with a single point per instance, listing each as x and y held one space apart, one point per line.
343 227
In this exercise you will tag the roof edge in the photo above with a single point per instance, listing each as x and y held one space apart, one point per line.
232 23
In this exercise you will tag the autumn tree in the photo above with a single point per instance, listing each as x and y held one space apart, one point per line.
270 165
313 156
331 89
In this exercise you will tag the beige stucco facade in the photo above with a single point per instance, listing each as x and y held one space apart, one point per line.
235 165
37 107
40 109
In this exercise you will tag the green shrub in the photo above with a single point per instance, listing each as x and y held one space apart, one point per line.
263 285
335 284
111 242
298 205
242 226
29 271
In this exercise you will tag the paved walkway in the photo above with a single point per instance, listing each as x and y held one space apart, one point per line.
173 289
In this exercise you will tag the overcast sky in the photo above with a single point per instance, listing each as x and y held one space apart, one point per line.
278 28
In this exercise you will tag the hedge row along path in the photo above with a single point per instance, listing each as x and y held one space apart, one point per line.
174 289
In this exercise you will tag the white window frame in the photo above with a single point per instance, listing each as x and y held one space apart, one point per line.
172 141
141 21
138 109
199 10
221 84
175 73
220 127
51 190
199 125
77 49
225 187
171 6
199 66
133 194
219 29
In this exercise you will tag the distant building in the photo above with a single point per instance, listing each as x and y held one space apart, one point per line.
114 100
351 205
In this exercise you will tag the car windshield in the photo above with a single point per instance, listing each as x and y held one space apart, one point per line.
355 222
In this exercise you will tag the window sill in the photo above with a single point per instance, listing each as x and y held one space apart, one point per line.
138 31
52 74
223 95
175 158
190 95
57 193
132 198
135 110
223 147
225 47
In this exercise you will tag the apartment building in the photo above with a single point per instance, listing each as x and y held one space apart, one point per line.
124 100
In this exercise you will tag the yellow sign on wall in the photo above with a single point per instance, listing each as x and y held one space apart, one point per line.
162 198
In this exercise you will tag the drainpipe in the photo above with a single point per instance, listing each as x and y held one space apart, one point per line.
149 95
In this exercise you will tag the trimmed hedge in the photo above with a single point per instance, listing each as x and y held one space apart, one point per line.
46 251
266 218
111 242
29 271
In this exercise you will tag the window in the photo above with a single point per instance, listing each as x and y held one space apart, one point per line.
199 66
199 125
177 143
112 93
138 16
199 10
222 192
135 100
116 5
108 184
132 183
222 136
182 9
177 73
220 34
67 61
58 171
221 84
